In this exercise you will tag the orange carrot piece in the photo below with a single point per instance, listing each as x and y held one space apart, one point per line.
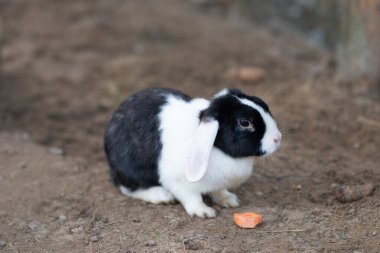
247 220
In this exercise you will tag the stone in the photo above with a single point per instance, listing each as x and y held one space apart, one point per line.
62 217
351 193
192 245
2 244
94 238
22 165
56 151
150 243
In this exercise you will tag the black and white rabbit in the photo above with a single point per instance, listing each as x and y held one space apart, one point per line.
162 145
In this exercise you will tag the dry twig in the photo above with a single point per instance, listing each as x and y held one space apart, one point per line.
90 249
369 122
285 231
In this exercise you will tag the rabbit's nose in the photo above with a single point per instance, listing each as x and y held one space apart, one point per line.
277 138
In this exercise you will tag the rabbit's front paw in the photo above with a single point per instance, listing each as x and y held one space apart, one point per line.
201 210
225 198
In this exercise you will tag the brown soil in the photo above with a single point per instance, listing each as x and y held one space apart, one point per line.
67 64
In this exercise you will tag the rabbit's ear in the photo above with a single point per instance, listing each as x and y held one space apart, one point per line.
200 149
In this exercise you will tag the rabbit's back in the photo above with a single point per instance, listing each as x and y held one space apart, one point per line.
132 139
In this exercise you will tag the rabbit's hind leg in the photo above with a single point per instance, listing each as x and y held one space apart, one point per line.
155 194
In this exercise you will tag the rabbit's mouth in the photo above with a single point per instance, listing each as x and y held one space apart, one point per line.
270 143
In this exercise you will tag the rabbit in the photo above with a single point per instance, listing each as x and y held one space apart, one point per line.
162 145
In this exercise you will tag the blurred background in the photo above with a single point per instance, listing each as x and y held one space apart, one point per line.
66 65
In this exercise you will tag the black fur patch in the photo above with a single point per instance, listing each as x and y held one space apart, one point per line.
254 99
132 139
231 138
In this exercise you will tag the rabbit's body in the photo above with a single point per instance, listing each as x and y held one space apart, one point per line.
149 137
224 171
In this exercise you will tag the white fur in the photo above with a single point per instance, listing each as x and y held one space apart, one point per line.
179 121
225 198
268 144
155 195
221 93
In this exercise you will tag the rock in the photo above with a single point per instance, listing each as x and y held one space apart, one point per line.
216 249
173 223
192 245
34 226
151 243
351 193
77 230
62 217
39 230
94 238
297 188
259 193
56 151
2 244
374 233
99 225
22 165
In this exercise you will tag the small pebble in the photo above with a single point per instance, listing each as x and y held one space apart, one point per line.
173 223
22 165
374 233
333 185
297 188
259 193
99 224
56 151
34 226
62 217
77 230
150 243
94 238
215 249
192 245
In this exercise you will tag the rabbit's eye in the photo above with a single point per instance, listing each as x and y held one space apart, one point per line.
246 124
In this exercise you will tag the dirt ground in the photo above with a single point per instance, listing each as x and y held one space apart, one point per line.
67 64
